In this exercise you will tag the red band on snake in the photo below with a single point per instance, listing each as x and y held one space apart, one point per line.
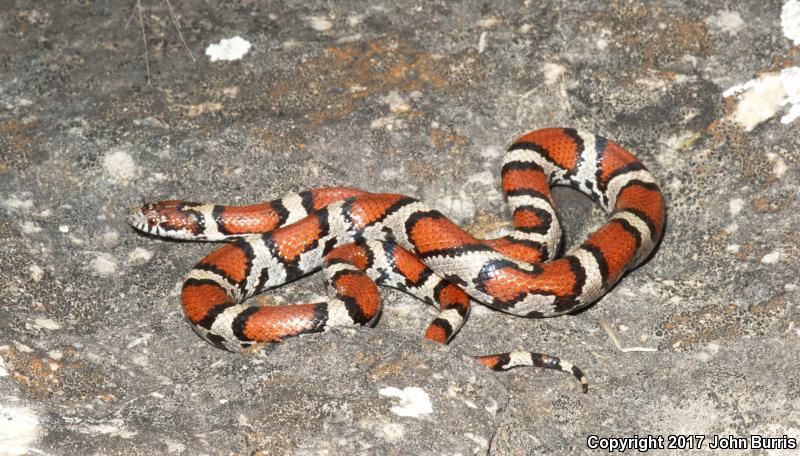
360 239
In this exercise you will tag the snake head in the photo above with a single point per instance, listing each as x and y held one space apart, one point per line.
174 219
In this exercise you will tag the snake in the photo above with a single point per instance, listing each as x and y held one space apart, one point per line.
361 240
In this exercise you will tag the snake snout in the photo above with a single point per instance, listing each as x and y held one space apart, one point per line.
142 221
137 219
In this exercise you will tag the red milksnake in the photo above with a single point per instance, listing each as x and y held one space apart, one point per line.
360 239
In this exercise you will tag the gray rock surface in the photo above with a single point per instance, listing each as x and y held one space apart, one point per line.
418 98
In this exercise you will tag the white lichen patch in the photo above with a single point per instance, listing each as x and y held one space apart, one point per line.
15 202
483 178
22 347
174 447
114 427
682 141
652 81
46 323
483 442
139 340
355 19
459 209
388 174
702 356
230 91
482 42
493 406
19 429
157 177
491 152
319 23
489 21
393 432
29 227
735 205
675 185
139 256
104 265
726 21
355 37
778 165
203 108
119 165
552 72
109 238
790 77
414 401
228 49
37 273
790 20
388 123
771 258
759 99
396 102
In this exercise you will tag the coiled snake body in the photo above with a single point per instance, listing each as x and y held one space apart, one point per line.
361 239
